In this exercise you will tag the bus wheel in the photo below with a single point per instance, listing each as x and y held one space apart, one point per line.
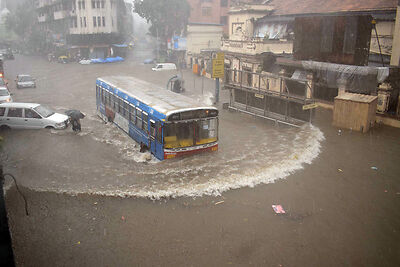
143 148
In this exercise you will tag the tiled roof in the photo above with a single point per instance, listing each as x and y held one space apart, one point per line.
297 7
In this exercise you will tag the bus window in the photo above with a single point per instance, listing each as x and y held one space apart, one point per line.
153 128
206 131
132 113
106 96
125 110
159 132
139 118
103 97
114 102
145 120
97 91
178 134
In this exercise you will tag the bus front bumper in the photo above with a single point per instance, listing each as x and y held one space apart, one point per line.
179 152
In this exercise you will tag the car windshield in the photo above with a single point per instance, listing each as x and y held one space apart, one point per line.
25 79
44 111
4 92
2 83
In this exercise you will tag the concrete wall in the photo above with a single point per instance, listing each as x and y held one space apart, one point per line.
395 59
196 15
385 31
201 37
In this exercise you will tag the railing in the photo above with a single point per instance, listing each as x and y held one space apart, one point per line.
269 96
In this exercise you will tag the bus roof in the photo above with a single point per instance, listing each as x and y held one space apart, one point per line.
161 99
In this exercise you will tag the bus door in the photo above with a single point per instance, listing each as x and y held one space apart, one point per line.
153 132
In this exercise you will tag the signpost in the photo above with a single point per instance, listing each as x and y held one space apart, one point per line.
217 71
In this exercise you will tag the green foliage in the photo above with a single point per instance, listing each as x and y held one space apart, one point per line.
23 22
166 16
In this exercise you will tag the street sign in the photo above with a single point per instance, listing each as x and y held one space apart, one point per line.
310 106
218 65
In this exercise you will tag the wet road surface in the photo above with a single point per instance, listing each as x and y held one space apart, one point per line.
103 160
346 217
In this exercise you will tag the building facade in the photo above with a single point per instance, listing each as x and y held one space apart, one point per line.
210 11
89 26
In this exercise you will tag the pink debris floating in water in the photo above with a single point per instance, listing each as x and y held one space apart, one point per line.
278 209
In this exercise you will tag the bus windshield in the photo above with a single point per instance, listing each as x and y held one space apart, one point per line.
190 133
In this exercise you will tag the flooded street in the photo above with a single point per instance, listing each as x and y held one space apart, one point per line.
94 200
103 160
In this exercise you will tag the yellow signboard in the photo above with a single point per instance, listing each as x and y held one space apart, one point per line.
310 106
218 65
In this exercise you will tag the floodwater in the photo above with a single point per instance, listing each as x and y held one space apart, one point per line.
103 160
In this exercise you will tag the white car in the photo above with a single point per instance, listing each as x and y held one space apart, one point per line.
164 66
5 95
25 81
30 116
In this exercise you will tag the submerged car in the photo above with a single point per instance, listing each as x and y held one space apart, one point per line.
25 81
30 116
5 95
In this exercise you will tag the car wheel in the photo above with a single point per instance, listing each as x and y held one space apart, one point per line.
50 127
5 128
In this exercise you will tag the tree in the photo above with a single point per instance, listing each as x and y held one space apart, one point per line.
23 21
166 16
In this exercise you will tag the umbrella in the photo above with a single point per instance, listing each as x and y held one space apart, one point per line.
75 114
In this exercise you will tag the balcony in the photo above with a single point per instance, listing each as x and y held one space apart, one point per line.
42 18
255 46
62 14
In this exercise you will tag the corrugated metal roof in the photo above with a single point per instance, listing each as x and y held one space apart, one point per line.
297 7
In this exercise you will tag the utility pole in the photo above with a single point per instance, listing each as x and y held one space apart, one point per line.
158 56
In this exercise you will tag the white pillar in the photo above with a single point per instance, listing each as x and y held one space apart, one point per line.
395 59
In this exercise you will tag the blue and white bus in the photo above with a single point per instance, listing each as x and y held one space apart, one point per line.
168 124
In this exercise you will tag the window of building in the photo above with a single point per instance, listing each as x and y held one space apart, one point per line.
102 4
79 5
75 22
224 3
224 20
93 4
112 21
206 11
98 4
94 22
84 22
83 4
81 21
104 21
99 21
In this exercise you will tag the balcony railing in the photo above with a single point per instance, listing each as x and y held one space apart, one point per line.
60 14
